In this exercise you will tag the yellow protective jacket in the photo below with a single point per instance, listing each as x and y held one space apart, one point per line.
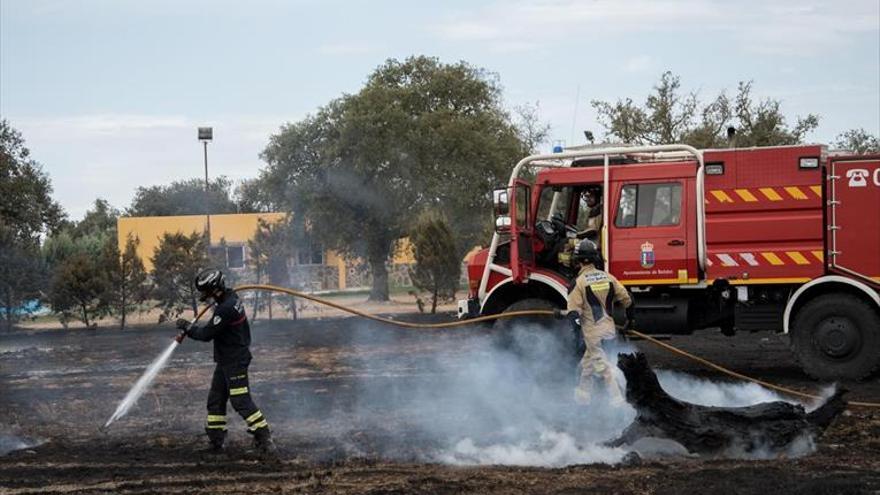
593 296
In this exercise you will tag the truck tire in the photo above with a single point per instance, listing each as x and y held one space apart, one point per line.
538 339
837 337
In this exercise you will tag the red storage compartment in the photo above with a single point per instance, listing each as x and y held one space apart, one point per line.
764 215
854 216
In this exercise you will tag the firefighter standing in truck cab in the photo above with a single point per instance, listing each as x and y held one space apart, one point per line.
590 309
230 331
589 224
592 197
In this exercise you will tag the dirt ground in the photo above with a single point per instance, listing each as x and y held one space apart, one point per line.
342 397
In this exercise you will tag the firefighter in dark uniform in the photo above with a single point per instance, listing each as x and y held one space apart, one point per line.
230 331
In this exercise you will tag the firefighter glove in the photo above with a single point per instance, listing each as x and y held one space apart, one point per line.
580 345
574 319
630 318
623 331
182 324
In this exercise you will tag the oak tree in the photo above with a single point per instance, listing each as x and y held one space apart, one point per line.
419 134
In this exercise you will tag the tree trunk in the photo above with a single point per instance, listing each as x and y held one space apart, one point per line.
85 315
256 298
434 301
122 308
9 315
256 305
379 290
768 427
269 296
293 307
9 310
194 303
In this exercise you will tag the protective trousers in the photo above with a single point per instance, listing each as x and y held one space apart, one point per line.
595 364
230 383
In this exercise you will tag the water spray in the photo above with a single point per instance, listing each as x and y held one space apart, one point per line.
146 379
143 383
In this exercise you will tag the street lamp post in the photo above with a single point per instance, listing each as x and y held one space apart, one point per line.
206 134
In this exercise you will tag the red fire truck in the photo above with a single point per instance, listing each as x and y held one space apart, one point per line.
779 238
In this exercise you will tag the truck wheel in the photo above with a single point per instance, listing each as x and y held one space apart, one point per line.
837 337
538 339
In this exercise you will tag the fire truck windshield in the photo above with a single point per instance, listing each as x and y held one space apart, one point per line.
569 203
554 201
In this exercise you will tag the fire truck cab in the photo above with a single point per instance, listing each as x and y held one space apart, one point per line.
779 238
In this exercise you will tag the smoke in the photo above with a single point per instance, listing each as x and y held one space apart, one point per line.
722 394
482 401
10 443
552 448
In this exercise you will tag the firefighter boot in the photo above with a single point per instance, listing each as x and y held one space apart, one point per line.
215 443
616 397
583 393
264 445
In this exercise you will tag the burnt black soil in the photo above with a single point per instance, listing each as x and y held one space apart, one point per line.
309 377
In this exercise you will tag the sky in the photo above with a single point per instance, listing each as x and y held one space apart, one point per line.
108 93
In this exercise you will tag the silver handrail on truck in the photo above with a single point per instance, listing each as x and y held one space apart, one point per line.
556 160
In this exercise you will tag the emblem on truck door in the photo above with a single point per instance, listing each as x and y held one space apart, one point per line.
647 257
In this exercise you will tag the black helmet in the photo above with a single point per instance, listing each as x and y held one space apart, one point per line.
210 281
587 252
594 190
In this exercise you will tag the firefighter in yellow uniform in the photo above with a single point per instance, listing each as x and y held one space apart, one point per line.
590 308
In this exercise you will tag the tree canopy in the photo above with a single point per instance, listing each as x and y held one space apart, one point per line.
101 219
184 197
420 134
127 278
176 261
670 115
90 278
27 211
437 268
858 141
26 204
79 288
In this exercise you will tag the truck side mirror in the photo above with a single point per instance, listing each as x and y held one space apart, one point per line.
504 216
501 201
502 224
501 206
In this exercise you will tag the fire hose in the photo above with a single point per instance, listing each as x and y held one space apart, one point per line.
511 314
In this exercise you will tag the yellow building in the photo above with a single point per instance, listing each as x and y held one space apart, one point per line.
315 269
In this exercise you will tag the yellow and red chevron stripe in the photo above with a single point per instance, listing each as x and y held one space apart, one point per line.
763 194
766 258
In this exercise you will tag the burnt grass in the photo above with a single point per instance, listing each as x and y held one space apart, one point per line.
58 387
